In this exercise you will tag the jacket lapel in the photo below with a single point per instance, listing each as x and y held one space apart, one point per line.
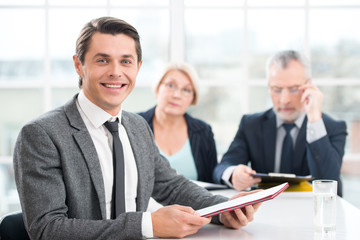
86 145
269 135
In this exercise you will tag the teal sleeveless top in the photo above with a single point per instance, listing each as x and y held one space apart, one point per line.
183 161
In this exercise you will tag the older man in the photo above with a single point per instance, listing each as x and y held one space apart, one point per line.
294 136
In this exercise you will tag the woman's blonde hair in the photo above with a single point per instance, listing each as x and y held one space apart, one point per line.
186 69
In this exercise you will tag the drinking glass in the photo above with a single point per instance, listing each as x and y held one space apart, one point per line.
325 192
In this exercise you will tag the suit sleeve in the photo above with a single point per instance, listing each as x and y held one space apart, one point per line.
325 155
211 158
204 151
237 153
45 197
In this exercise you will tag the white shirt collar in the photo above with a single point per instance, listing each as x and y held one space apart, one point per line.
96 115
299 121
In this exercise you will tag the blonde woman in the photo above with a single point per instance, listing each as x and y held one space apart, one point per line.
188 143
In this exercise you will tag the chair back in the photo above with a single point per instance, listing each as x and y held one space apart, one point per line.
12 227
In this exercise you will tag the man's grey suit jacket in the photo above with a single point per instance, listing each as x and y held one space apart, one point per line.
60 182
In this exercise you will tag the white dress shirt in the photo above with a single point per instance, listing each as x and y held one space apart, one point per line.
280 135
94 118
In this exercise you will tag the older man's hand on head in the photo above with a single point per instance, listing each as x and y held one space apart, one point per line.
312 99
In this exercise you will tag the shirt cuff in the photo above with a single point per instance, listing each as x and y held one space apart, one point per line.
315 131
227 175
146 223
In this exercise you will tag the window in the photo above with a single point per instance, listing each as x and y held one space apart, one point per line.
227 42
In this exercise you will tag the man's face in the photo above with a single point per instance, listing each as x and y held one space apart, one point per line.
285 95
109 70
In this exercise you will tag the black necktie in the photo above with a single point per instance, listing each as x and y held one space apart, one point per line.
287 153
118 195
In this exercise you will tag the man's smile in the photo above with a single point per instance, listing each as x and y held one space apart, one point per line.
113 86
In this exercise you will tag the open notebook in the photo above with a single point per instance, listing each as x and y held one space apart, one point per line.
243 201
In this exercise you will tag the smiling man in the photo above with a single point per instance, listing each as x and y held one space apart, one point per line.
292 137
87 170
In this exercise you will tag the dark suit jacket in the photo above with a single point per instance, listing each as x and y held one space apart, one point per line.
202 144
255 143
60 183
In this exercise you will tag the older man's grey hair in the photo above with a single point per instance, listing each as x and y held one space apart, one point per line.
283 58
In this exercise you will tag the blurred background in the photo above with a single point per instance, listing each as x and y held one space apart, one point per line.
227 41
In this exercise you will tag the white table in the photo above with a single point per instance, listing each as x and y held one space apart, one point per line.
289 216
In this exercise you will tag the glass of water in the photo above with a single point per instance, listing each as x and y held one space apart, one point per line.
325 192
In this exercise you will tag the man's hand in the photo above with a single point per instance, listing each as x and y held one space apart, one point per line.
241 178
312 99
176 221
240 217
